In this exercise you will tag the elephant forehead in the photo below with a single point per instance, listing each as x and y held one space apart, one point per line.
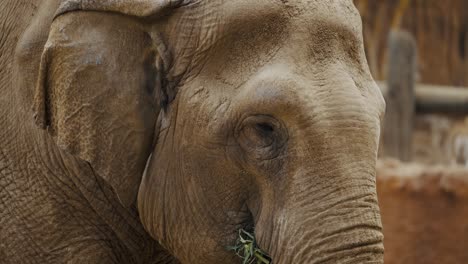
250 34
209 21
319 28
334 13
139 8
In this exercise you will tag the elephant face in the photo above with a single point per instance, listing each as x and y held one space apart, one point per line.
258 114
275 126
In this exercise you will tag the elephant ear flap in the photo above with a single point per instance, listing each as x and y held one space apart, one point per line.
76 70
138 8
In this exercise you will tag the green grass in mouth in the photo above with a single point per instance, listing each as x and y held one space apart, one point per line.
246 248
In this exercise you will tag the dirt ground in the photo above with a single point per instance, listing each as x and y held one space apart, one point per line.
424 204
424 212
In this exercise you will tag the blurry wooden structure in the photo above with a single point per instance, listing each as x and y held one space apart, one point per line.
402 67
398 125
437 98
424 211
439 27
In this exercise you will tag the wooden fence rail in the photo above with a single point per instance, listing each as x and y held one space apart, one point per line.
437 98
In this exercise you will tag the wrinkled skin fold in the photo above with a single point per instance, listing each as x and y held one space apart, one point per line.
151 131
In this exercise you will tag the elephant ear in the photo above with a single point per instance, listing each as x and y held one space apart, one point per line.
98 87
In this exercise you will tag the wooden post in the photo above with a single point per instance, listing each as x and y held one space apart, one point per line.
399 117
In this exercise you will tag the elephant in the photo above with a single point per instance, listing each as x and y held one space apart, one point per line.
152 131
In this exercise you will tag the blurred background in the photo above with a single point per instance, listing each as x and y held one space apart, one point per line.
417 50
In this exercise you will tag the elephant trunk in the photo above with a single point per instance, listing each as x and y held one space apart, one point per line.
340 226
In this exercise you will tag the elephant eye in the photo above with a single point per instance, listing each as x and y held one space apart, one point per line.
265 129
261 134
258 135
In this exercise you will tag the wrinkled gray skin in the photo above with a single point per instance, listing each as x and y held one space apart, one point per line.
250 113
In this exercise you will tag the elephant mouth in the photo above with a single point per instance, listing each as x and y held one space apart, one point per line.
248 250
246 246
248 224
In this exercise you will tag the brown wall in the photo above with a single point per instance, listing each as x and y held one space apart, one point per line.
440 28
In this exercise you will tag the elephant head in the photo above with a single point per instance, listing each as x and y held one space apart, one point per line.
246 114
